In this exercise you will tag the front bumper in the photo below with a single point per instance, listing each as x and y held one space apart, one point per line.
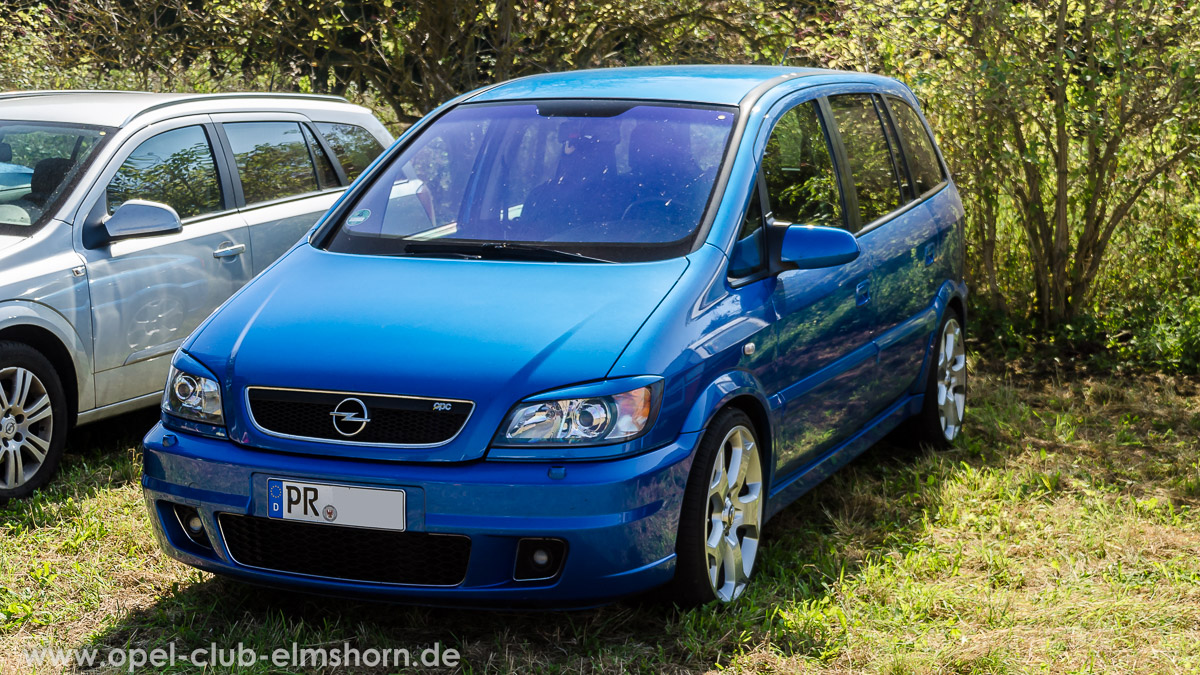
618 517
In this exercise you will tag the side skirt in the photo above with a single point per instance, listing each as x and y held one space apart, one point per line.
97 414
790 488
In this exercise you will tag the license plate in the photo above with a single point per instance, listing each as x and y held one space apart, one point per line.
336 504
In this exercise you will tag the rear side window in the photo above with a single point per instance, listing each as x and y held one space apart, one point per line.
870 158
922 158
801 182
272 160
354 146
175 168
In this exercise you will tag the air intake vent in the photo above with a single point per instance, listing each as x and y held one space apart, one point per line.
349 553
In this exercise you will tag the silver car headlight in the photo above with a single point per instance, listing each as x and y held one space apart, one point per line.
193 397
576 421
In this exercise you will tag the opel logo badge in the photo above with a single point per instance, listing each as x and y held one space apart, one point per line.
350 417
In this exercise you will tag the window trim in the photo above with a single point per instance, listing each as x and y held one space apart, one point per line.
221 169
337 161
338 169
93 210
852 215
236 178
865 228
765 267
899 152
937 152
834 158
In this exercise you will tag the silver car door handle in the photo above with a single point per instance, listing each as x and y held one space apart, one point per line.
229 251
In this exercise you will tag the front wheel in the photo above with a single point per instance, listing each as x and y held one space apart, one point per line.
721 520
945 405
33 420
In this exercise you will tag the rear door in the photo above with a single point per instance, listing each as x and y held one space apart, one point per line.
149 293
284 179
898 232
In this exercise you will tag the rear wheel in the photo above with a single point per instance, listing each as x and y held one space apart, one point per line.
721 521
945 405
33 420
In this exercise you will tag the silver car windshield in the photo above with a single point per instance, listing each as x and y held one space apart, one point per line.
39 162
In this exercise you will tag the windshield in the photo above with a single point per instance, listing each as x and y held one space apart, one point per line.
38 162
611 180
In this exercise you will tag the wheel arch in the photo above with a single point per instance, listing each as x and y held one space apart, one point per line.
738 389
54 338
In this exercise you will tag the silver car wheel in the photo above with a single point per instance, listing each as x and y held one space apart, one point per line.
26 425
952 380
734 513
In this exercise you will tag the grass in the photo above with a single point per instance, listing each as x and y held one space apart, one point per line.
1061 535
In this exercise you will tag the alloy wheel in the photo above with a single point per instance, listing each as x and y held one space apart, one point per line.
26 425
952 380
734 514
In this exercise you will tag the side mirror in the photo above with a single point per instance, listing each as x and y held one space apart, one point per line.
139 218
810 247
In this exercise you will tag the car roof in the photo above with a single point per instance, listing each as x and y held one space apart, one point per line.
713 84
119 108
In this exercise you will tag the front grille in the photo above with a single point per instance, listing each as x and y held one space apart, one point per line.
351 553
394 420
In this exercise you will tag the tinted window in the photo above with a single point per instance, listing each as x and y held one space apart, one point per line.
272 160
801 182
867 151
354 146
922 158
175 168
611 179
325 172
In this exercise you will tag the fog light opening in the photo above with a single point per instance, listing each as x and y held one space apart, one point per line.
192 525
539 559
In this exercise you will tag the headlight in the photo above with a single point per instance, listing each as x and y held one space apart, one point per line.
577 421
193 397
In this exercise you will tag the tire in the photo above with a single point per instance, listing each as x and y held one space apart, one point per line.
720 524
941 417
33 420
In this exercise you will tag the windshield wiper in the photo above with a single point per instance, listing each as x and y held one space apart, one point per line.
497 251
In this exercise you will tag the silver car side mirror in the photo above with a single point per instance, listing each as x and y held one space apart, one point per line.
140 218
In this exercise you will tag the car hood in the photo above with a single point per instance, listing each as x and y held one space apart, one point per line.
491 332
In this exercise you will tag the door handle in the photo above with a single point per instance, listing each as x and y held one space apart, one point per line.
930 253
229 250
862 292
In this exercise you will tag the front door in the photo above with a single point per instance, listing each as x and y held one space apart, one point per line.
149 293
824 354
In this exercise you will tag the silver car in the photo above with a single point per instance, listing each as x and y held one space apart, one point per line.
125 219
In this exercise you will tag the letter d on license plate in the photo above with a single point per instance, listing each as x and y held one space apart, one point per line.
344 505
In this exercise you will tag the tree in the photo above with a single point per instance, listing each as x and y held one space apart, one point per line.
1060 115
415 55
